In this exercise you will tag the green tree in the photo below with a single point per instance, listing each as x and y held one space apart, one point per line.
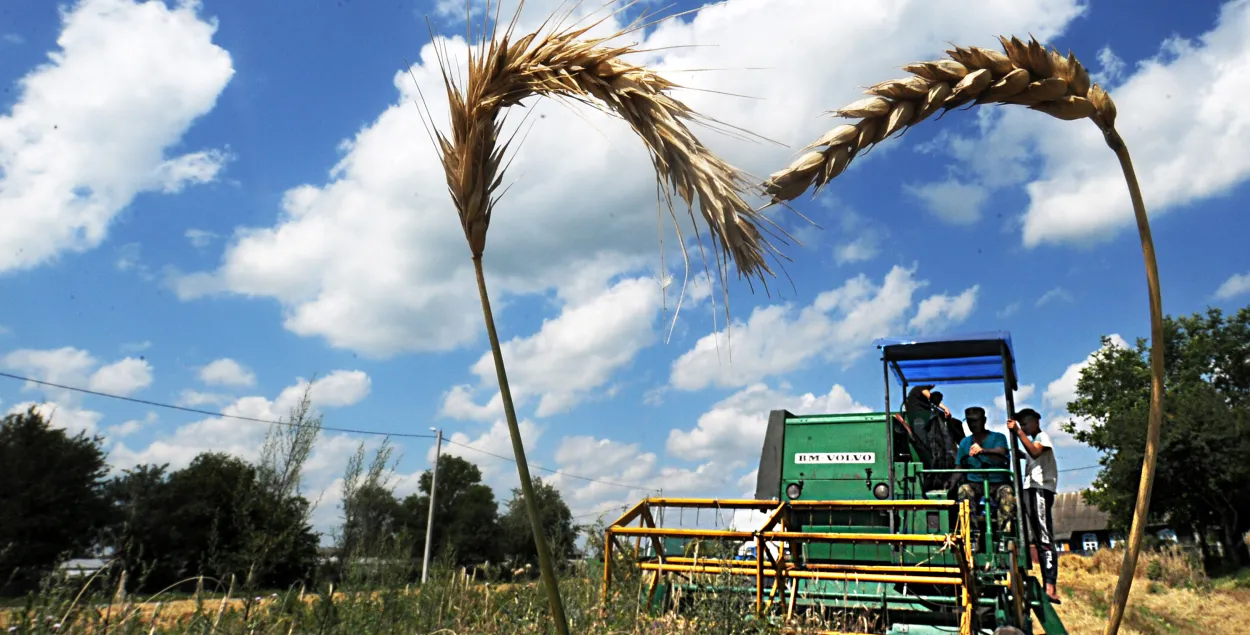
212 518
557 523
52 501
142 535
466 515
1203 479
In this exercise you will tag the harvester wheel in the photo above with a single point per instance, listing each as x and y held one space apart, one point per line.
1008 630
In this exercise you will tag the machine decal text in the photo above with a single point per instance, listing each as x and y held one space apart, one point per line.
835 457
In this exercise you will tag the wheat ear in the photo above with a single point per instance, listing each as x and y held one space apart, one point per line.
508 70
1026 75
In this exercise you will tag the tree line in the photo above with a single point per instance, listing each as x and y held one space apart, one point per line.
222 517
1202 482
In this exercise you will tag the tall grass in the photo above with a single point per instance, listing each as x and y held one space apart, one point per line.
372 600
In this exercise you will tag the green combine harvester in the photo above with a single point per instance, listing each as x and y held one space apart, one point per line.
862 518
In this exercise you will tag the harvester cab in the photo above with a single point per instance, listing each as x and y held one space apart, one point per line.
866 507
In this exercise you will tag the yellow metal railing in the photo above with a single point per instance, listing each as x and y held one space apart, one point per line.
780 567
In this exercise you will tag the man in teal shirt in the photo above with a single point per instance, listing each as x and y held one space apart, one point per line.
984 449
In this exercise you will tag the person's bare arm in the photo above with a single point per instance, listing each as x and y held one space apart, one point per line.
1034 449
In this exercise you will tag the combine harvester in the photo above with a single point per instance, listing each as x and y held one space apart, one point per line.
882 543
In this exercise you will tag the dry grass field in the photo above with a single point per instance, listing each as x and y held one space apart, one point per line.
1170 596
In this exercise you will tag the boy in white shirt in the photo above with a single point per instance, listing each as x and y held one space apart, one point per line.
1041 480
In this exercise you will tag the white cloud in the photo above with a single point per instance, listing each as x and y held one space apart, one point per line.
1235 285
458 404
775 340
724 446
71 418
1058 294
1112 67
200 238
227 372
954 202
125 377
858 250
734 427
242 438
193 398
69 366
939 311
571 355
1180 113
1062 391
65 366
90 128
413 289
1020 399
131 426
499 473
336 390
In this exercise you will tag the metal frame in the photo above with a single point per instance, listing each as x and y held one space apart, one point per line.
968 347
782 567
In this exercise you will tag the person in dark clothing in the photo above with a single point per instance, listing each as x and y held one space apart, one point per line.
928 426
953 426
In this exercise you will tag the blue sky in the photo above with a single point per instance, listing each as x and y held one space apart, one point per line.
207 204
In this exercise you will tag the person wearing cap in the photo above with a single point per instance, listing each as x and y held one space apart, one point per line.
984 449
1041 481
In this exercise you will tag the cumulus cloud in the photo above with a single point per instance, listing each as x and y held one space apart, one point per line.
1180 112
1062 391
939 311
1235 285
776 340
734 427
73 419
69 366
954 202
242 438
1058 294
412 288
227 372
498 471
124 377
70 165
717 457
572 355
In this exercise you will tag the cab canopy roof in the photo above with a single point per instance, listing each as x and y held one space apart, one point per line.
951 359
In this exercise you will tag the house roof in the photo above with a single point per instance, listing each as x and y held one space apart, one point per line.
1072 515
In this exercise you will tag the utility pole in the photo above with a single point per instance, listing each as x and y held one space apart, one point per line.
429 525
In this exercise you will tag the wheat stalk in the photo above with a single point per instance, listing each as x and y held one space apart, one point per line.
503 72
1026 75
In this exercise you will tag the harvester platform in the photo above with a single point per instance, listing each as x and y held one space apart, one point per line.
784 576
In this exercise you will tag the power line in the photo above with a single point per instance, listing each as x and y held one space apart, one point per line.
403 435
290 424
1078 469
